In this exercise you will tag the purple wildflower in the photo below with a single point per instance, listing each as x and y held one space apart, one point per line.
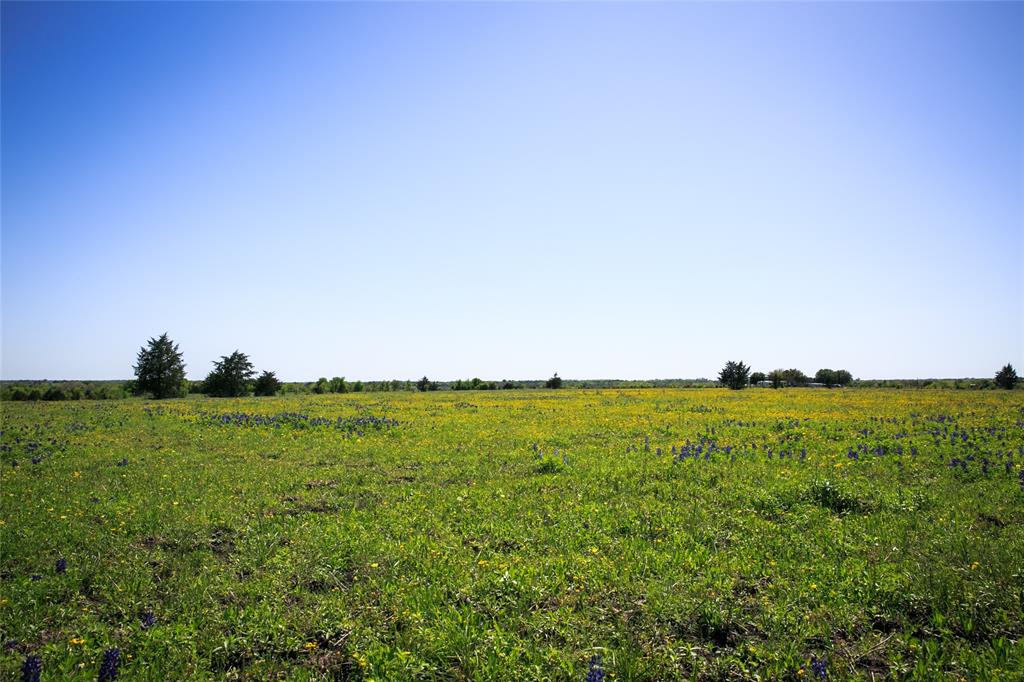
148 620
596 671
62 565
819 667
31 669
111 662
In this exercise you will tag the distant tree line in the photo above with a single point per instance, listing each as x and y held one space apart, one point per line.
64 390
160 373
737 375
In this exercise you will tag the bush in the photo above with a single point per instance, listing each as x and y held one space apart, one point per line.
553 382
54 393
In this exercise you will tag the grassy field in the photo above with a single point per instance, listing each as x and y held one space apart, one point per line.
515 535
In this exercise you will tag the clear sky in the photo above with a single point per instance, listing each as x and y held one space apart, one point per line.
507 189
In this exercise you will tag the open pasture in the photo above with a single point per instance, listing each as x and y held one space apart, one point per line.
514 535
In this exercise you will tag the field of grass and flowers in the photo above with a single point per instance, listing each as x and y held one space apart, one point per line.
520 535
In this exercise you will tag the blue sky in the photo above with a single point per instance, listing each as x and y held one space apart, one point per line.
507 190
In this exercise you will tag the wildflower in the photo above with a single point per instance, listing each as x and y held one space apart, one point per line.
819 667
123 462
62 565
596 671
77 640
147 619
31 669
310 646
111 662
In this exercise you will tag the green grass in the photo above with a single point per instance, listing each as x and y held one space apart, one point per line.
444 547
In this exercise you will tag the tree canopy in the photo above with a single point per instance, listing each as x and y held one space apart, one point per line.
159 369
735 375
231 376
1006 377
266 384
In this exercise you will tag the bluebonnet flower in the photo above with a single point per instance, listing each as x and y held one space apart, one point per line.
123 462
596 671
819 667
62 565
14 463
37 459
658 452
31 669
148 620
111 662
35 577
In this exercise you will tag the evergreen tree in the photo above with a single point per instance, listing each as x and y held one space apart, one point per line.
230 377
159 369
735 375
1006 377
553 382
266 384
